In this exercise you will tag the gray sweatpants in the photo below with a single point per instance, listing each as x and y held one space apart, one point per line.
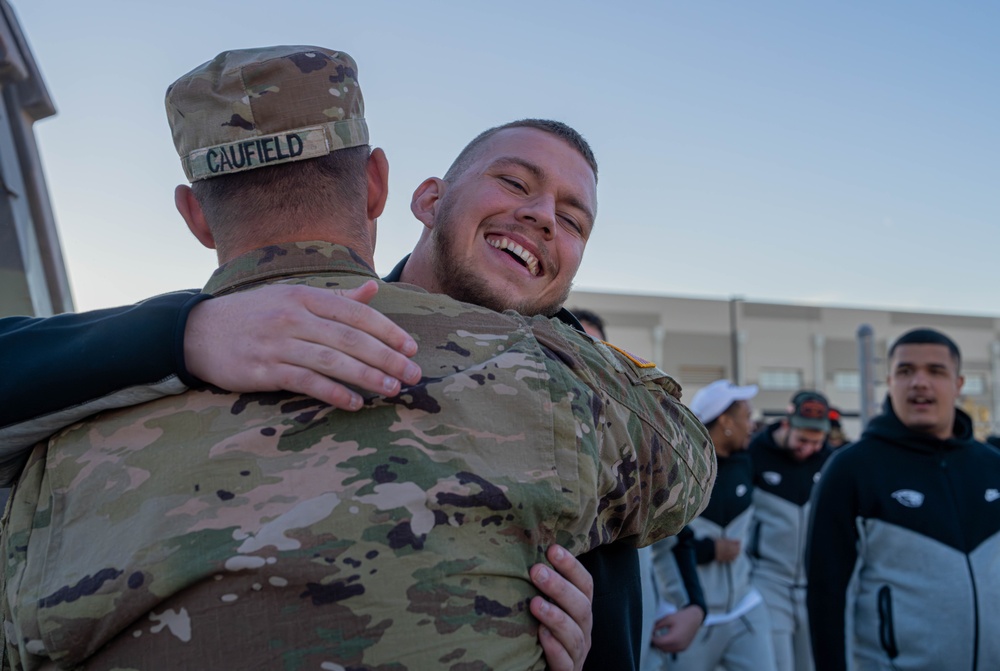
786 606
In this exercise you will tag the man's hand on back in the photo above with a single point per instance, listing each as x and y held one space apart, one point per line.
300 339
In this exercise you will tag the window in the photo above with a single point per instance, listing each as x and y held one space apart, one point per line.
780 379
847 380
700 376
975 384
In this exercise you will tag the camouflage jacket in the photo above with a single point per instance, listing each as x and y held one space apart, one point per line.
267 530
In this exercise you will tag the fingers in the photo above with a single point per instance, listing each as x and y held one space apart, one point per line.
362 294
570 586
310 383
567 622
345 366
346 307
674 632
570 568
302 339
557 656
667 642
347 326
726 549
665 636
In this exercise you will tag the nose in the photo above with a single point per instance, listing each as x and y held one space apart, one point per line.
540 213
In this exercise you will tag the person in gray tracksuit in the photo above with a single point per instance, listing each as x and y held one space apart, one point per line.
904 551
736 633
787 459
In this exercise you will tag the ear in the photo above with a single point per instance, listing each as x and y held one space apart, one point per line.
378 183
961 383
190 209
725 420
426 199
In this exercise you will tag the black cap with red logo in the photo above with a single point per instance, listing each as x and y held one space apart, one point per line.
809 410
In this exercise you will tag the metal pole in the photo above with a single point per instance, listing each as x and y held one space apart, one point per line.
734 339
741 359
995 386
866 367
819 369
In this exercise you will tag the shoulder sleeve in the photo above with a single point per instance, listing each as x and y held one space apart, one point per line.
657 460
58 370
831 554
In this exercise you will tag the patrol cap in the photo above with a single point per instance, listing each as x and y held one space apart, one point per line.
809 410
251 108
715 399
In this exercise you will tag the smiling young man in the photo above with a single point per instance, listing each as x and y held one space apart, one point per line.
506 228
507 225
905 532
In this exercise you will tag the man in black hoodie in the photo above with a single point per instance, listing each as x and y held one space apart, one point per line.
904 553
787 458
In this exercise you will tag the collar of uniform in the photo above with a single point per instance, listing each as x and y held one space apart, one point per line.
283 260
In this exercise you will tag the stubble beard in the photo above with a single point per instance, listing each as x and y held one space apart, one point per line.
463 283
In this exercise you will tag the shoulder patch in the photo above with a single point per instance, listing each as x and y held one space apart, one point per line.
641 363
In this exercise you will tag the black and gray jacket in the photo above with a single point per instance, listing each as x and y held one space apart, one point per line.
782 487
904 552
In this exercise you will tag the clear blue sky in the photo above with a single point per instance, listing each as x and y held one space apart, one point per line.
836 153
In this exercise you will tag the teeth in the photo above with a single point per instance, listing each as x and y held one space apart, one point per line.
526 256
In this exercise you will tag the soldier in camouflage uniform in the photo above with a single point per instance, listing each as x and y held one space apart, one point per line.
217 530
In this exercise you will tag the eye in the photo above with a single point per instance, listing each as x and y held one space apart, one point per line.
569 221
514 184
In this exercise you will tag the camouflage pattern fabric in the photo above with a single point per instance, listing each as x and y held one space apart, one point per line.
254 107
212 530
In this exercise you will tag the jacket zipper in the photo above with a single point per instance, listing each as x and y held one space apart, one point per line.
886 628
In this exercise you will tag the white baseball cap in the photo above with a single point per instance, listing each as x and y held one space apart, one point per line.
715 399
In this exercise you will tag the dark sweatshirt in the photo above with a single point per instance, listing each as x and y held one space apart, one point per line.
905 543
